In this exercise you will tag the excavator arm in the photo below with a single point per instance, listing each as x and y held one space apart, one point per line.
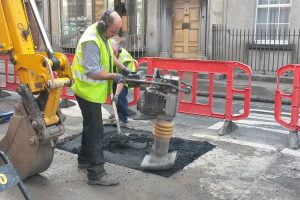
37 121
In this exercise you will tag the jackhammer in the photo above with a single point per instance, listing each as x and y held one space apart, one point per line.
160 99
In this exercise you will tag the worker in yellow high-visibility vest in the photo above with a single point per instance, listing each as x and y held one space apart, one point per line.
93 74
126 59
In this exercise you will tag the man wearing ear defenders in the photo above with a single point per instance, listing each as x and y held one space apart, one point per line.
126 59
93 76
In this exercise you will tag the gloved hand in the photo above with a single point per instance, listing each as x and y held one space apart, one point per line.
115 99
119 79
136 75
125 72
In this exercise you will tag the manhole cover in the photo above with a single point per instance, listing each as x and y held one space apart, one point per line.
129 150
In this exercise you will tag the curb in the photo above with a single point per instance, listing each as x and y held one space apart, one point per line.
253 98
265 78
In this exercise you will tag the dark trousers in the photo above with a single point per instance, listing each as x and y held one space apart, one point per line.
91 151
122 105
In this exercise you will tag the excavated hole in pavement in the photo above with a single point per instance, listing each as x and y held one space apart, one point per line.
129 149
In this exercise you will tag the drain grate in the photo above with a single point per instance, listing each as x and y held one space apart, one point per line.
129 151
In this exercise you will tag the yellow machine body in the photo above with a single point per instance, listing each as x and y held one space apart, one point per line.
36 124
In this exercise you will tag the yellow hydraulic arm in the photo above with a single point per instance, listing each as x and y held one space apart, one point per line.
37 122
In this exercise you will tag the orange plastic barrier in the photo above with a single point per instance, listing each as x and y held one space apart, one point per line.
294 97
10 80
194 67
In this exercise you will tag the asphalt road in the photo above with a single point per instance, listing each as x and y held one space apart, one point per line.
253 162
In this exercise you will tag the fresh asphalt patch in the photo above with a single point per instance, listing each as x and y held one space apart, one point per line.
129 149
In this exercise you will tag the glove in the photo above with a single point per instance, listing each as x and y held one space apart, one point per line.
136 75
125 72
115 99
119 79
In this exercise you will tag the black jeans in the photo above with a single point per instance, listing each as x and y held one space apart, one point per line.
91 151
122 105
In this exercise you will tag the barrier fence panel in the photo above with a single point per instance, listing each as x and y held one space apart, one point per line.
292 121
8 76
193 68
182 67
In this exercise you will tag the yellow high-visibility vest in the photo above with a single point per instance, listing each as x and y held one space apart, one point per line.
85 87
124 56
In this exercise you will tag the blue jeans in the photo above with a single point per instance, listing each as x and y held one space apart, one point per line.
91 151
122 105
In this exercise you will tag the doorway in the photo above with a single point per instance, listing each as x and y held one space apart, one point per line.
185 38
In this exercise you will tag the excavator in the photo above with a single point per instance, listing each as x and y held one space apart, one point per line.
37 121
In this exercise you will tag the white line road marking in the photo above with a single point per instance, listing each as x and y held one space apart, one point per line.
291 152
287 151
268 111
229 140
257 120
219 125
261 116
268 129
267 118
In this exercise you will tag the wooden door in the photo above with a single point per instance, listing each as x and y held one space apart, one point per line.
185 39
99 8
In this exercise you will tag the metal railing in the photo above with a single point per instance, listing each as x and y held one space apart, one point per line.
263 51
135 44
64 43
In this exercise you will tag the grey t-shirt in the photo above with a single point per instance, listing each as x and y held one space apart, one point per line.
91 57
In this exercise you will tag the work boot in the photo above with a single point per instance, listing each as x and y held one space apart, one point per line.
105 180
130 112
123 124
112 116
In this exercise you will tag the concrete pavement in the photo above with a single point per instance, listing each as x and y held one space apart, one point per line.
224 173
235 169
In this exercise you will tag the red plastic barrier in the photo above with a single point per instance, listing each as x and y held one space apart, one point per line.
211 68
66 92
10 81
294 97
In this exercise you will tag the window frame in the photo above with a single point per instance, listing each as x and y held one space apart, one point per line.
269 40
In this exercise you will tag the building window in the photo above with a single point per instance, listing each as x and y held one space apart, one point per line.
132 33
76 16
133 16
272 21
140 13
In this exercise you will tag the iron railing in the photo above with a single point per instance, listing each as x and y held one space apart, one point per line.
64 43
135 44
262 51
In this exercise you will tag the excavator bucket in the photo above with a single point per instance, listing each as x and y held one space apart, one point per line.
22 146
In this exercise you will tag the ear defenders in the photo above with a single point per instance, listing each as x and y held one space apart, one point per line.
103 24
119 50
